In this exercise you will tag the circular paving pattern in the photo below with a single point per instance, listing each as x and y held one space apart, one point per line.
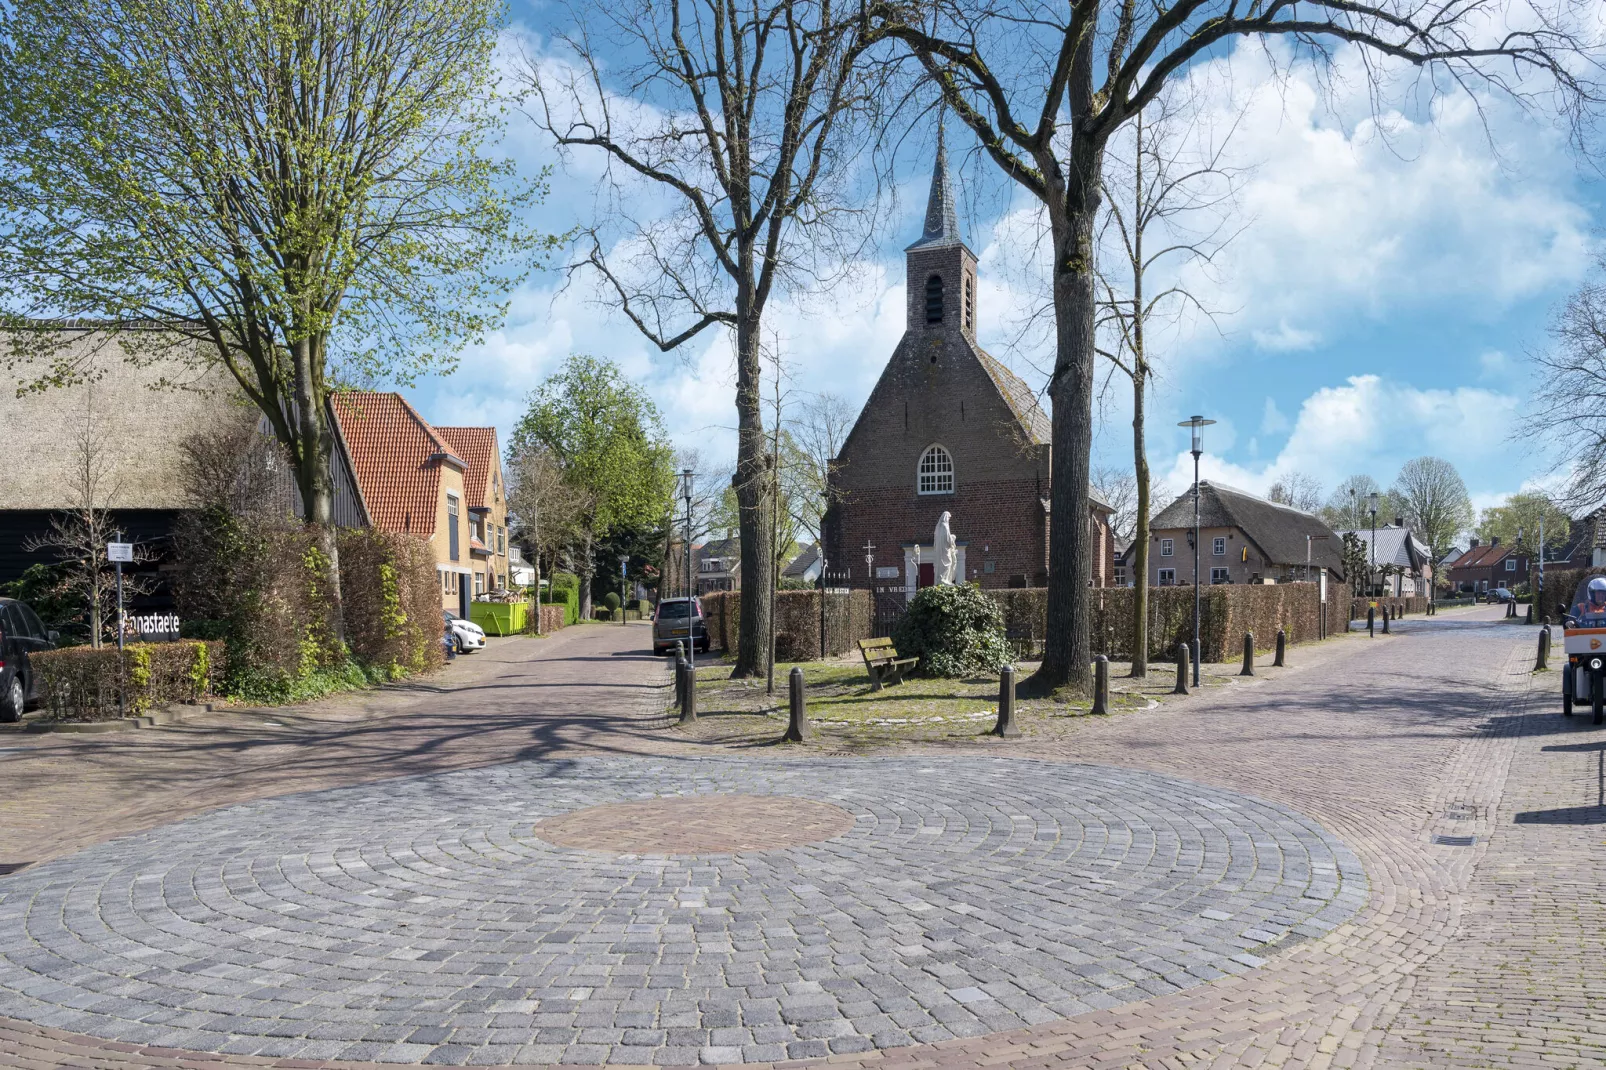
699 824
427 920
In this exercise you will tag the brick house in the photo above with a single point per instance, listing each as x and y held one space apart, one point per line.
719 565
1407 559
1486 565
413 480
484 493
947 429
1242 539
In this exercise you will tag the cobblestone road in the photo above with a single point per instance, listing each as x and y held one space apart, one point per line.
1478 955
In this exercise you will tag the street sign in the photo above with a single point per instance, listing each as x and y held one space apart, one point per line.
120 551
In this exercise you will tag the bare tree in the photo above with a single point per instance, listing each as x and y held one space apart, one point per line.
818 430
1045 86
1569 408
742 113
78 535
1297 490
1435 501
1119 487
1168 196
545 507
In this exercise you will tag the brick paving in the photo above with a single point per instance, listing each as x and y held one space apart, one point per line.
1481 955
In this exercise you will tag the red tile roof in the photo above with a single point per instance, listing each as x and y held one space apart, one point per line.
1481 556
396 457
477 446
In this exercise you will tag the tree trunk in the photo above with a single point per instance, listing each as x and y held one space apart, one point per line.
1067 643
1140 535
314 469
752 483
588 570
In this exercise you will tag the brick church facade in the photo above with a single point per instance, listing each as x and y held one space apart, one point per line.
948 429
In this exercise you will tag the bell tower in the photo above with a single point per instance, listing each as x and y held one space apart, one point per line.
941 286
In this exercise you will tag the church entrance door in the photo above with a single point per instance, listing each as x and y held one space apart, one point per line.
927 574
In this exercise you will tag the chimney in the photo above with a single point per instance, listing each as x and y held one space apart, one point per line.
1399 521
1495 541
1474 542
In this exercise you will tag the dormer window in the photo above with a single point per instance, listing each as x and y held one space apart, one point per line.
934 299
936 474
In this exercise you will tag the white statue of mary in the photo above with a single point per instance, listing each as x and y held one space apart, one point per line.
947 554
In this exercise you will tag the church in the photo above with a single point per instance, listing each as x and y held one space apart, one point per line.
947 429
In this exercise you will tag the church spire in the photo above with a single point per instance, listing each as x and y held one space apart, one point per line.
942 219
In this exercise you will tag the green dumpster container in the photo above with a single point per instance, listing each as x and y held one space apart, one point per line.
499 618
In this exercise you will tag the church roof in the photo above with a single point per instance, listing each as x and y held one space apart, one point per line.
1020 399
942 218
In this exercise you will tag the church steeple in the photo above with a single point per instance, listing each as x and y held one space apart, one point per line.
942 219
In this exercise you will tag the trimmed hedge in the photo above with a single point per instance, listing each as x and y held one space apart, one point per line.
565 592
391 601
1406 604
82 683
848 619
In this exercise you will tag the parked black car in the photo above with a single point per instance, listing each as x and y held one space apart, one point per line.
21 633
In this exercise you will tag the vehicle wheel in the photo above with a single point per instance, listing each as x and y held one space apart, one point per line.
1567 691
1597 695
12 701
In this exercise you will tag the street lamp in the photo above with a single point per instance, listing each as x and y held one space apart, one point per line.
1196 423
1372 545
686 479
624 561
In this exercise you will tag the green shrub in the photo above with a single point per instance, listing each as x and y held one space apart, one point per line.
954 631
82 683
565 592
612 600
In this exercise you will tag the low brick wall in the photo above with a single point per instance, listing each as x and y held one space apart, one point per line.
1408 604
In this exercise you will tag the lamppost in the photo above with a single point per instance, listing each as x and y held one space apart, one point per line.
1195 423
686 478
624 585
1371 546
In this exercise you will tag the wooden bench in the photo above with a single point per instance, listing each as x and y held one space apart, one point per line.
882 662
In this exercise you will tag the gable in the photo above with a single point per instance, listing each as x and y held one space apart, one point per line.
939 389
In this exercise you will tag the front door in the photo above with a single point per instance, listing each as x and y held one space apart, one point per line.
927 575
462 598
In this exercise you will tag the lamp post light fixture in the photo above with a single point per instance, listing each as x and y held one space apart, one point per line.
686 480
1371 546
1196 423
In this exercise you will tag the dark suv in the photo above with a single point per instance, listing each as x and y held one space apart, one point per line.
21 633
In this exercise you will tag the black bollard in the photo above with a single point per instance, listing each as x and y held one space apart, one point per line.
1101 685
1529 619
680 675
1282 648
1006 726
1543 661
797 729
1182 670
688 696
1385 620
1249 655
1371 621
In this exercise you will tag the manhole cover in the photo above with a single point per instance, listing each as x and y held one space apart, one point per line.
1453 841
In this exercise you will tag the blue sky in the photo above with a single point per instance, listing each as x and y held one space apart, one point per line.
1392 272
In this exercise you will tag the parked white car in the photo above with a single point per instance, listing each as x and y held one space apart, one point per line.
467 634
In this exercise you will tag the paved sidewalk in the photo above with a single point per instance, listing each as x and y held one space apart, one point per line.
1479 955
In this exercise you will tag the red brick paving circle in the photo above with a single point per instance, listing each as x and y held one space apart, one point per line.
697 824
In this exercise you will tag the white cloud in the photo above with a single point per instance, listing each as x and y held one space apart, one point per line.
1285 338
1273 422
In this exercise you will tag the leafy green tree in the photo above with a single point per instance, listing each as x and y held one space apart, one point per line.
294 188
1522 513
608 439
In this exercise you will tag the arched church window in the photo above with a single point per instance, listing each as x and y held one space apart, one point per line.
936 471
934 299
970 302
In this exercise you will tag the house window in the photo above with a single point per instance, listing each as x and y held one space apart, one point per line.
479 583
1219 575
1168 576
934 299
1166 546
936 472
501 540
1218 546
451 526
1511 564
